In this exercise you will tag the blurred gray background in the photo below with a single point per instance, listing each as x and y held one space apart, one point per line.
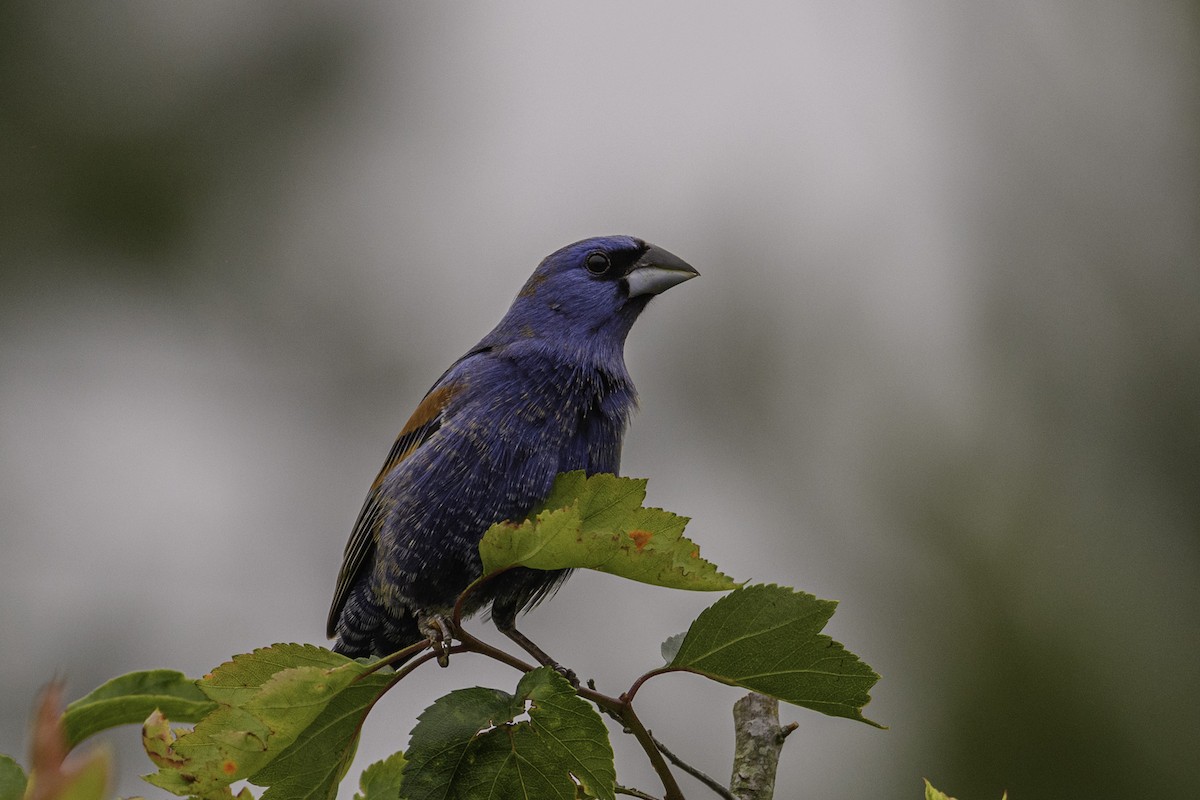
943 364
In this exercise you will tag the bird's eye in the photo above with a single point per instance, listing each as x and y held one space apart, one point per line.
597 263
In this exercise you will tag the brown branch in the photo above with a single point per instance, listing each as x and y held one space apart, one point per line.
634 725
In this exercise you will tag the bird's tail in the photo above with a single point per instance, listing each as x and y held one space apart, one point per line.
367 629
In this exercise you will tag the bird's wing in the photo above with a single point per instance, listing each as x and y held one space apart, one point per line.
424 422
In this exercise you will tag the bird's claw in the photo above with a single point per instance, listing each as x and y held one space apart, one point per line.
569 674
439 630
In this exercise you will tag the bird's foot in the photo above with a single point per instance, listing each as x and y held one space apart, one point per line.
510 630
569 674
439 630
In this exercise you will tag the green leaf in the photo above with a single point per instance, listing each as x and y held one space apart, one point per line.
90 780
381 780
12 779
87 780
314 765
158 738
599 523
285 716
485 744
241 677
130 699
767 639
933 794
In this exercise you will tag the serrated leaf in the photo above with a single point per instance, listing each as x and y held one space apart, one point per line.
314 765
485 744
285 716
381 780
12 779
241 677
599 523
130 698
767 639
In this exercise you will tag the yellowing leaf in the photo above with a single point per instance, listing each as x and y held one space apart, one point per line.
599 523
285 716
933 794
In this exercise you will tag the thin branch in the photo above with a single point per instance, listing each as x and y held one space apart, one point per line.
633 690
630 719
629 790
471 644
707 780
399 655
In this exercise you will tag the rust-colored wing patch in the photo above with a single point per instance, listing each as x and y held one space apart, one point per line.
423 423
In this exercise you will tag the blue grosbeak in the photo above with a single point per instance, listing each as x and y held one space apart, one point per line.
545 392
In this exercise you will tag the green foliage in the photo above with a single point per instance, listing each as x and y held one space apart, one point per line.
12 779
599 523
287 717
88 782
381 780
768 639
484 743
130 699
933 794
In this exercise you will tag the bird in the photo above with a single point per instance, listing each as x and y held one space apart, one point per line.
545 392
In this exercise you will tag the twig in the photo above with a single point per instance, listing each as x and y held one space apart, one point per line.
629 790
758 739
630 719
473 645
707 780
398 656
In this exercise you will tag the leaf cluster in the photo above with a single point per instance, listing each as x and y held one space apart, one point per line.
287 717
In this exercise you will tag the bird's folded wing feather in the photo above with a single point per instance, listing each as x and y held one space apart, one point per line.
424 422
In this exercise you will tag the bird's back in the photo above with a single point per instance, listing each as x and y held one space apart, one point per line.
515 416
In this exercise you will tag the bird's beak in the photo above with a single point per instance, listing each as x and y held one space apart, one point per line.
656 271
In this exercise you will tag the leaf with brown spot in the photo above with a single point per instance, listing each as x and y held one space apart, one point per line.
599 523
158 738
286 717
640 538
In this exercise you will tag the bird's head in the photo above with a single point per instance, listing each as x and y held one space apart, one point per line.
588 294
